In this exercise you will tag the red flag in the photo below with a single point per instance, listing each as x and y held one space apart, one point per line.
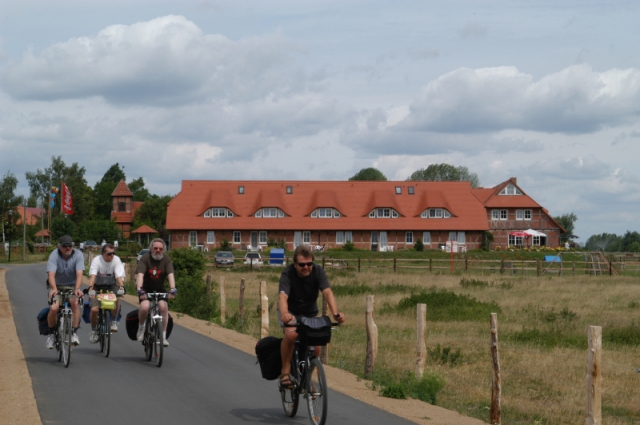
67 201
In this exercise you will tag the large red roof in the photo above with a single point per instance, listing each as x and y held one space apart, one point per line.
353 199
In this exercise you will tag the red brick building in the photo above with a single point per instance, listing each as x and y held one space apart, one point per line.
124 208
371 214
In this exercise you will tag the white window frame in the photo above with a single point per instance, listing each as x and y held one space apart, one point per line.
314 214
211 236
504 214
280 213
229 213
237 236
372 214
336 214
348 236
262 237
453 236
535 240
259 213
398 190
515 240
528 214
411 190
394 214
495 214
426 238
408 237
462 238
339 237
446 213
306 237
193 238
519 214
207 213
510 190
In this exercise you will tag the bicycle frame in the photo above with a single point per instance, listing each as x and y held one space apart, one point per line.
63 329
153 329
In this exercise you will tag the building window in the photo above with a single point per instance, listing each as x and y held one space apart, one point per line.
207 213
193 238
398 190
314 213
461 237
339 237
325 213
218 212
372 214
446 214
527 214
122 206
241 190
510 190
259 213
269 213
229 213
426 237
336 214
434 213
515 240
211 236
306 237
452 236
408 237
383 213
519 215
237 236
348 236
495 214
263 238
503 215
410 189
289 190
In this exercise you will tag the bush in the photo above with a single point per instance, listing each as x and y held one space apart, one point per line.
225 245
348 246
425 388
419 246
487 240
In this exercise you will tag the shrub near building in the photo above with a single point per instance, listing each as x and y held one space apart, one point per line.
192 298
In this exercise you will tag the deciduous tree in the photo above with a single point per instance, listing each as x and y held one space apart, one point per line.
445 172
369 174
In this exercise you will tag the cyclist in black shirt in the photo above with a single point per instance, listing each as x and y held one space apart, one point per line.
300 284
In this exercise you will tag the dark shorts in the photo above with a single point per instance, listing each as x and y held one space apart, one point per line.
165 299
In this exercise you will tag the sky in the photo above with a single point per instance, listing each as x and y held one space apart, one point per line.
544 91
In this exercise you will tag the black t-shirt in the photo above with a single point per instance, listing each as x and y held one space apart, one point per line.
155 272
303 292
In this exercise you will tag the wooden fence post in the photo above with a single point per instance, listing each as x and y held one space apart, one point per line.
430 265
394 264
594 376
538 267
358 265
466 265
421 333
323 262
264 307
372 338
208 280
496 389
223 302
241 301
324 350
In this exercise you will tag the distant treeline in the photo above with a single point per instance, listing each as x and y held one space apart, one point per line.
610 242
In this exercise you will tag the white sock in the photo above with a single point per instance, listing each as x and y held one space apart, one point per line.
141 326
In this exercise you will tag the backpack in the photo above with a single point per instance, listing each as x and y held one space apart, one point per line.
268 353
132 324
43 325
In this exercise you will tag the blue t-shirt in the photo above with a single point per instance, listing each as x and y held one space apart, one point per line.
65 270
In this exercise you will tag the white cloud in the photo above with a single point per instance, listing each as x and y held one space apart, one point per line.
167 60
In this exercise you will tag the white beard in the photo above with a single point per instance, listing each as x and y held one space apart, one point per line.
157 257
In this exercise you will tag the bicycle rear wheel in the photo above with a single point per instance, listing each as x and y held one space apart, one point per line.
106 332
66 340
317 393
158 344
148 339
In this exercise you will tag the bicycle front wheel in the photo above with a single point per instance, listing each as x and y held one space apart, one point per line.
316 395
105 340
66 340
58 331
148 339
289 398
158 344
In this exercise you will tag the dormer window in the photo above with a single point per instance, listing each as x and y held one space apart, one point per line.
398 190
384 213
510 190
411 190
435 213
325 213
240 190
269 213
289 190
218 213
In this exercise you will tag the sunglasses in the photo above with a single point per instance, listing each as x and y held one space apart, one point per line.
67 245
309 264
110 254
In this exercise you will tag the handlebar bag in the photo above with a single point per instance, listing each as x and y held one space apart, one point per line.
314 331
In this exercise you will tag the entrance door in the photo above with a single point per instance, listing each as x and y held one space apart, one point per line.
254 240
297 239
374 241
383 239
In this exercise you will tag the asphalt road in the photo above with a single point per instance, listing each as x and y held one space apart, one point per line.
201 380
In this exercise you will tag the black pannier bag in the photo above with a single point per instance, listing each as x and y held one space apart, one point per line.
314 331
43 325
268 353
132 323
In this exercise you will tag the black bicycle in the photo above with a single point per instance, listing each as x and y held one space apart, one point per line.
64 327
308 380
153 337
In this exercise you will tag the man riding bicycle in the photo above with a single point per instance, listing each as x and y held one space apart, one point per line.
105 274
298 295
64 269
153 270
